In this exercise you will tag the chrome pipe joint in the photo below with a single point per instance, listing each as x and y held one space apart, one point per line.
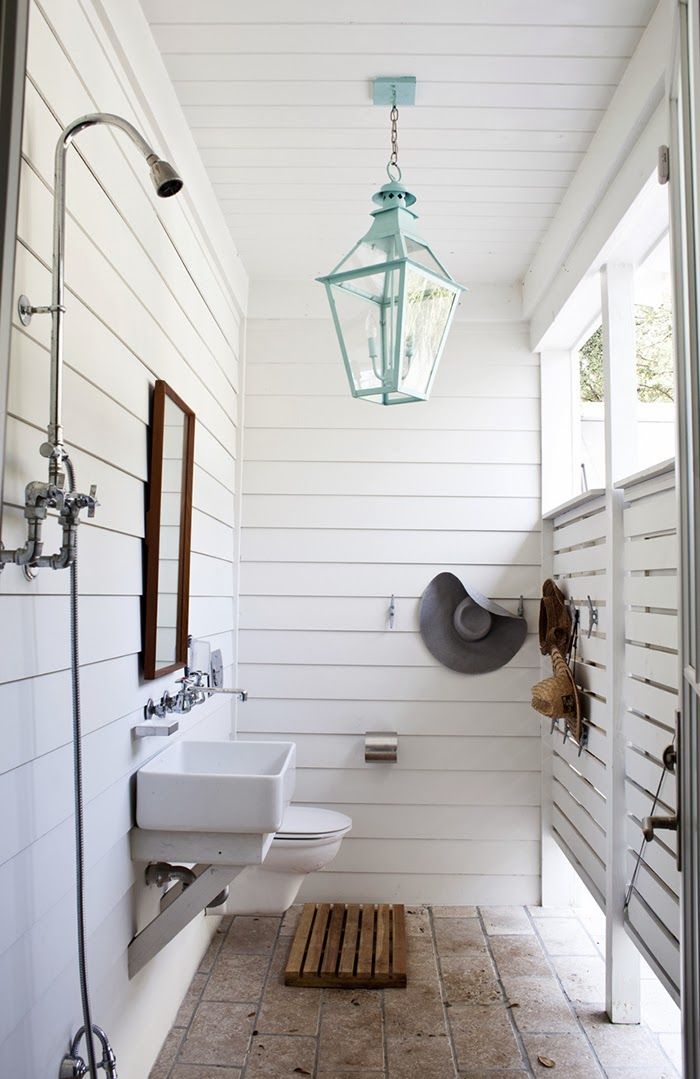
39 498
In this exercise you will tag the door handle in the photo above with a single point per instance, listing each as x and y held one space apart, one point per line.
652 824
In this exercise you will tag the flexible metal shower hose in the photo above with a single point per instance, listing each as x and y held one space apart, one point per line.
78 796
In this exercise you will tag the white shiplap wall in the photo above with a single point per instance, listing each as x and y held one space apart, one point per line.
345 503
146 298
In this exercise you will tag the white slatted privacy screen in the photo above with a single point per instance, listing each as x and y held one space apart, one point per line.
651 697
576 555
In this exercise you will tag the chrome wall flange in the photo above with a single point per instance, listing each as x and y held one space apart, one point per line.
72 1067
26 310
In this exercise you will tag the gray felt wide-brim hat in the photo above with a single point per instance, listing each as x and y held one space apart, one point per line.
464 630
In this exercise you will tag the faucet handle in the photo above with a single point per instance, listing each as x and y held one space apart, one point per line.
192 678
93 503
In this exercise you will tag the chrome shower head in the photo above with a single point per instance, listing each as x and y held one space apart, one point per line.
165 179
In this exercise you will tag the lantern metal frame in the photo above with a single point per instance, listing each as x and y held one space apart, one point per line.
393 232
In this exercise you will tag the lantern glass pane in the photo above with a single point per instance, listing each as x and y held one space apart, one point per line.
428 304
368 328
364 256
419 252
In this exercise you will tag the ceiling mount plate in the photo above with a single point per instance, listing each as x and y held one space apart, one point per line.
394 90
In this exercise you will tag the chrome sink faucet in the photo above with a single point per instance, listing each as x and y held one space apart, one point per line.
198 684
194 689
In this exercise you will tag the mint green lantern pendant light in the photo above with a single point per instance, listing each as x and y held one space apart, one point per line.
392 300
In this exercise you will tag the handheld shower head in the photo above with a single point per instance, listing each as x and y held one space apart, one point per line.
165 179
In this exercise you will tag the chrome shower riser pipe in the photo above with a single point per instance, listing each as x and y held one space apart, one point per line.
41 497
53 448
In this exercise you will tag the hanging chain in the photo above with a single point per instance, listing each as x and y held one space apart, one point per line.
394 117
393 169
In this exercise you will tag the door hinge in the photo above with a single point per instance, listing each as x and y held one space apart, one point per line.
663 168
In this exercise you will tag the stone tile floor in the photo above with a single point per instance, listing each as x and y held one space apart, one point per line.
493 992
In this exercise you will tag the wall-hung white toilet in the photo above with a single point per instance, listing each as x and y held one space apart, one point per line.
308 840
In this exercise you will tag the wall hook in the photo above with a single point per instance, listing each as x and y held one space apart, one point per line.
391 613
592 616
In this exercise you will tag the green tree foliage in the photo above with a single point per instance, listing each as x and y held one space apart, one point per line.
654 346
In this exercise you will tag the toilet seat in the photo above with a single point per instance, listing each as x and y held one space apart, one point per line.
312 822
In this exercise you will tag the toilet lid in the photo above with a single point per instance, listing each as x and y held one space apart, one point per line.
300 822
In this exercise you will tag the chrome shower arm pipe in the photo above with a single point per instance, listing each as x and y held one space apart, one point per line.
41 497
54 448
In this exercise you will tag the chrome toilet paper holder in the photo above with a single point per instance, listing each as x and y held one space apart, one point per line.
381 746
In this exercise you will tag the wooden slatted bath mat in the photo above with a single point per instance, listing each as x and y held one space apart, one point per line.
349 946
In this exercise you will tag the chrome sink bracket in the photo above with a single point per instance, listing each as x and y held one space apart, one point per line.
155 727
190 902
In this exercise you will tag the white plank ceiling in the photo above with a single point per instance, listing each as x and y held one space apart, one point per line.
278 95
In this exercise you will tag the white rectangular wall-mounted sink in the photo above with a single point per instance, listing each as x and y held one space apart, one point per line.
233 787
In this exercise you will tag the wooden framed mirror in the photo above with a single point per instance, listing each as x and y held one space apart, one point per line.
168 534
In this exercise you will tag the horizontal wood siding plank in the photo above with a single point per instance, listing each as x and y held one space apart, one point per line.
281 545
663 948
357 648
370 683
445 718
443 447
660 590
332 886
348 580
373 786
331 478
417 753
431 513
493 414
344 613
578 850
